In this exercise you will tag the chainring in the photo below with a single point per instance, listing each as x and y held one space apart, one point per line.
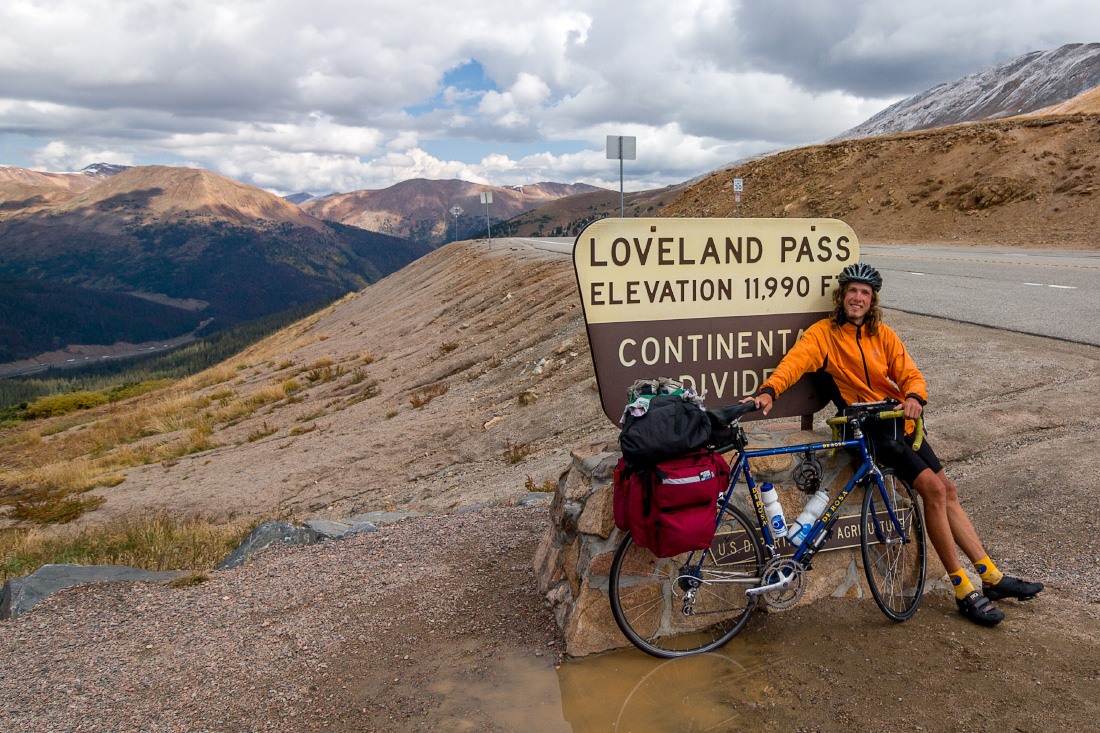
783 567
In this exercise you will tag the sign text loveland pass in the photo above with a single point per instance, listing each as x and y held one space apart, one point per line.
715 303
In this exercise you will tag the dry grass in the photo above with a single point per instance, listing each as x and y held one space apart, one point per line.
547 487
514 452
49 466
152 542
423 396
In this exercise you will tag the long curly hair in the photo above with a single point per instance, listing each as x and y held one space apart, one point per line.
870 321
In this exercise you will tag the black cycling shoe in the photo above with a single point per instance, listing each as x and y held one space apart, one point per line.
979 609
1011 588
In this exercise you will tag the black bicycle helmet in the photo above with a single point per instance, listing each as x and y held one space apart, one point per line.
860 273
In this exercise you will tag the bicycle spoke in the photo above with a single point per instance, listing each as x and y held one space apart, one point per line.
894 562
685 604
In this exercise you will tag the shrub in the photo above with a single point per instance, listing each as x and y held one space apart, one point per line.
515 453
424 396
547 487
61 404
262 432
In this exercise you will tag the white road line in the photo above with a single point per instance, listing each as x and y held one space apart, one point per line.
1060 287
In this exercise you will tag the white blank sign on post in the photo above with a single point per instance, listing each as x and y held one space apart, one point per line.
622 147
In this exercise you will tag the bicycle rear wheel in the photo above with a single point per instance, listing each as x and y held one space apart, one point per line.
895 563
649 595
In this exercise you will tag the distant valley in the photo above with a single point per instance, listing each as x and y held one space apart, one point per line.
187 234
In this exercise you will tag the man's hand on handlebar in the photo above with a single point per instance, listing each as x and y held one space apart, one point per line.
763 402
912 408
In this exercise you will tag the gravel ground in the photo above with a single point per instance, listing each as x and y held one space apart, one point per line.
265 646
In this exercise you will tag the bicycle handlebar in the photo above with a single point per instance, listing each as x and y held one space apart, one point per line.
726 414
918 432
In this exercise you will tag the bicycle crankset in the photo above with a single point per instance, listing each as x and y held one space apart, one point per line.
791 575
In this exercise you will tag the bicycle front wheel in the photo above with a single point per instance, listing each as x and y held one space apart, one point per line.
690 603
894 562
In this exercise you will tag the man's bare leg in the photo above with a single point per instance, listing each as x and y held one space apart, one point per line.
937 517
941 510
966 537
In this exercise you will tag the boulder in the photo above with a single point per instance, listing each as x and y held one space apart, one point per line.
266 535
357 529
22 594
327 528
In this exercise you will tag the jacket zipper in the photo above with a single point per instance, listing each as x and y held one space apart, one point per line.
866 374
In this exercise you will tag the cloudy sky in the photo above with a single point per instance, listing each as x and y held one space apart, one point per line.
340 95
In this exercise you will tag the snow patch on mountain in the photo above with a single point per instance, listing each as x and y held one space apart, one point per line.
103 170
1018 86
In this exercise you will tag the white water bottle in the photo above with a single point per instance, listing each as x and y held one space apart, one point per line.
773 510
814 509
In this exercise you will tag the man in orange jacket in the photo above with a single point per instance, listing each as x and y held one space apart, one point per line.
869 363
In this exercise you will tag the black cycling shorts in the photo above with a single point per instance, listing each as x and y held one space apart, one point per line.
906 462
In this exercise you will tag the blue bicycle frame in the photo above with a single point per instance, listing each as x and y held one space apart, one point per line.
818 532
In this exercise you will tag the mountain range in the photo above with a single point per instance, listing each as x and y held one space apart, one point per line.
421 210
78 249
178 236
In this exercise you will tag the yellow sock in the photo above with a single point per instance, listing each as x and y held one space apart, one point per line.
989 572
962 584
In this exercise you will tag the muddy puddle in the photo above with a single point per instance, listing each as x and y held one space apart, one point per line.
624 692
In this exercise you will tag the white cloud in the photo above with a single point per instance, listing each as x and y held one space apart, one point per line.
321 96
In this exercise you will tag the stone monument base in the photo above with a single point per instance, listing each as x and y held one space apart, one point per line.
573 560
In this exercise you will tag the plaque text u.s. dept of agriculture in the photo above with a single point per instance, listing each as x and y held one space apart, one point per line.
715 303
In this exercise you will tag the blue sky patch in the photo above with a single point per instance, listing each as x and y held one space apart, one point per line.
467 77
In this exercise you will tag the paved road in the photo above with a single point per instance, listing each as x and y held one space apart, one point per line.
1054 293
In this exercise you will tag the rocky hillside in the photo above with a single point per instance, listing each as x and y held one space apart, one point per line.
419 209
445 385
1018 86
1087 102
1027 181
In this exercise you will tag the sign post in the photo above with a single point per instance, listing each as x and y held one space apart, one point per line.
487 198
457 211
715 303
738 187
624 148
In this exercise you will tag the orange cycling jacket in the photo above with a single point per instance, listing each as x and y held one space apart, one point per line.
865 368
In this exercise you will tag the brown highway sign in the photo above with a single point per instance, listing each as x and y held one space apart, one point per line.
715 303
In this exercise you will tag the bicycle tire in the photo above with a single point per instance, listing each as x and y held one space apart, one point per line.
646 592
895 572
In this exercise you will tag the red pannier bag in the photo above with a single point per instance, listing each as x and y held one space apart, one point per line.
671 507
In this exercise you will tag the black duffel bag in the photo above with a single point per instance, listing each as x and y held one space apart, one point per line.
671 427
